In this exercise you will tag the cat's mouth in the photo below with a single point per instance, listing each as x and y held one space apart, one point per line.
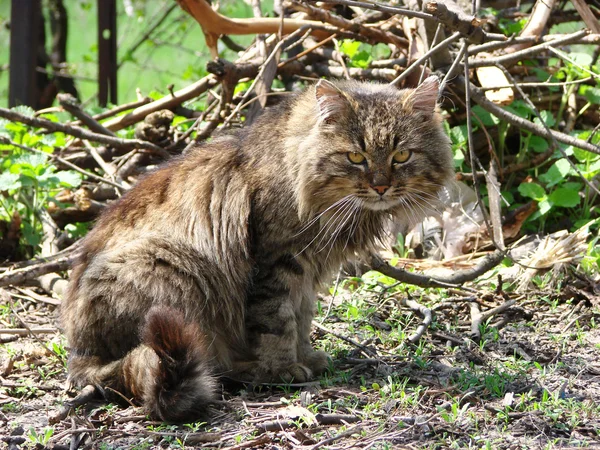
381 203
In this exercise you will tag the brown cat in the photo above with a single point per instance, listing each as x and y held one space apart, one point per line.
209 266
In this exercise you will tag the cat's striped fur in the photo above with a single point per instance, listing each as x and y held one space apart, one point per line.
209 266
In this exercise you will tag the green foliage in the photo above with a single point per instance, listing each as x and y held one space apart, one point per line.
360 54
29 181
40 438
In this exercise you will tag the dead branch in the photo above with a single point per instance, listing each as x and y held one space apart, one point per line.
478 317
87 394
26 274
587 15
456 279
536 23
419 309
373 34
455 19
79 132
515 57
214 24
70 104
479 96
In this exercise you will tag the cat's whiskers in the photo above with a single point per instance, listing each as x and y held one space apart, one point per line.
318 216
355 222
338 207
335 225
350 214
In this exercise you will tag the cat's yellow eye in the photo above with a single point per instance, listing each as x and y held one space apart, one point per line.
356 158
401 156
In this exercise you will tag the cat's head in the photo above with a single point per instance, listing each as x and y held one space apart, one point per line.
377 147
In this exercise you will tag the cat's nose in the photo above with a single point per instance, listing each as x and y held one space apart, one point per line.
380 189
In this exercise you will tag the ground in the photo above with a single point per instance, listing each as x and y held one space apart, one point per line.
532 381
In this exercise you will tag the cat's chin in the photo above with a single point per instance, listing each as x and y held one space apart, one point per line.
380 204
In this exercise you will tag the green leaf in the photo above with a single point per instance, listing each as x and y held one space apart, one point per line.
564 197
544 205
459 157
532 190
9 181
538 144
458 134
25 110
487 119
556 173
584 156
520 108
68 178
592 94
361 59
547 117
349 47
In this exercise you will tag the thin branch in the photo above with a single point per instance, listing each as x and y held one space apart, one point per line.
445 43
522 54
90 175
80 132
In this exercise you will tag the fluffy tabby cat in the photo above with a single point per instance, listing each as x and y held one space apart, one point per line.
209 266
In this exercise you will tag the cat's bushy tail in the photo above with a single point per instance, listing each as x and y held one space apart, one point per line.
167 373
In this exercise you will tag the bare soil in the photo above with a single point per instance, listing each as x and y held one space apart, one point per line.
532 382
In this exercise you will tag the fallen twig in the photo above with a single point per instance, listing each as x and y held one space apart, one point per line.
423 311
457 278
25 274
85 395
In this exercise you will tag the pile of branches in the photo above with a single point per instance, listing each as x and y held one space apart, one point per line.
476 63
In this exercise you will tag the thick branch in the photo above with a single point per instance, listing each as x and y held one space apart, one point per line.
457 278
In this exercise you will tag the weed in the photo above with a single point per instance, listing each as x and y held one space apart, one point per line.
40 438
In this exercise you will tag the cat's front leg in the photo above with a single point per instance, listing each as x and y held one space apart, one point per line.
272 334
316 360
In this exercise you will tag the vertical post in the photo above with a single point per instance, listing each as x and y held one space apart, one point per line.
107 51
25 22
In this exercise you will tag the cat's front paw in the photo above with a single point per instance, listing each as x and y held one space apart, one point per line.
318 361
292 373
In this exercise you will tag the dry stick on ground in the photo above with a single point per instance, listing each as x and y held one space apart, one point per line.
87 394
367 351
26 274
423 311
457 278
80 132
70 104
478 317
337 437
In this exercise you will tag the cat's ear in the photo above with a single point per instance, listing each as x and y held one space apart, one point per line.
331 102
425 96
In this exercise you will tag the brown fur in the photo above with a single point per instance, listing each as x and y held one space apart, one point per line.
209 266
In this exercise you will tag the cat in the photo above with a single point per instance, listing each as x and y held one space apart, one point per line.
209 266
